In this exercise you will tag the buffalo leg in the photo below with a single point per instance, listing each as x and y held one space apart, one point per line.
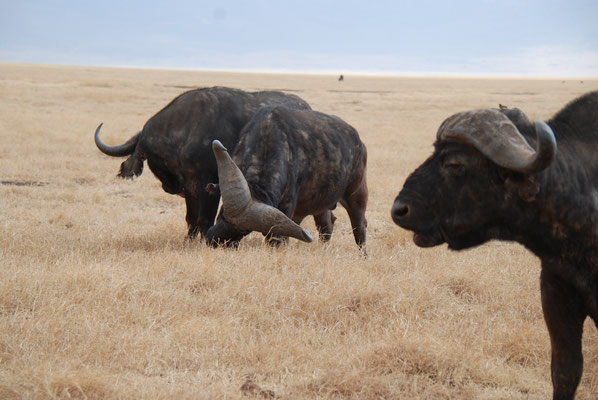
564 313
201 211
192 217
356 204
325 224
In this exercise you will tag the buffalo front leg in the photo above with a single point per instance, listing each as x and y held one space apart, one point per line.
201 211
192 203
325 224
564 313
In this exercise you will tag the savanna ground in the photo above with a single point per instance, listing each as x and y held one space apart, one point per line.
101 297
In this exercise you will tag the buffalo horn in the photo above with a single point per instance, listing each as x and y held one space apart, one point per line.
240 209
495 136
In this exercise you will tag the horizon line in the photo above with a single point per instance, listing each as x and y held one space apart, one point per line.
323 71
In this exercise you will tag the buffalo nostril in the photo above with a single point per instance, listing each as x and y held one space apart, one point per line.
402 211
399 211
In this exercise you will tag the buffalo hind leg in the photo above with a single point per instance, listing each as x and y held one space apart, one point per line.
325 224
356 204
564 313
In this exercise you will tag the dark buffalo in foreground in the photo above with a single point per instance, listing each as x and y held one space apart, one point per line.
177 143
290 164
495 175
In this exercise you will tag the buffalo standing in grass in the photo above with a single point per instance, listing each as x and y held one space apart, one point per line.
291 164
484 181
177 144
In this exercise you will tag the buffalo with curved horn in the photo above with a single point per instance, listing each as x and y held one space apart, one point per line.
290 164
177 144
495 175
246 213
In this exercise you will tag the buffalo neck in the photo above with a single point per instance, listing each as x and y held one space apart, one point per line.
563 220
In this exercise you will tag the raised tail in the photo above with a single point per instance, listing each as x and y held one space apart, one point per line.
120 150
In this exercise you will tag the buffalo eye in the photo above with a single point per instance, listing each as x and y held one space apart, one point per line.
453 165
455 159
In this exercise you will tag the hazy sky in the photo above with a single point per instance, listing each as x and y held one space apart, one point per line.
504 37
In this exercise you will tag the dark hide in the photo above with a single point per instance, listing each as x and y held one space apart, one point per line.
177 143
460 197
303 163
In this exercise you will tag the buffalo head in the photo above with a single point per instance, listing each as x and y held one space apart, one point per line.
482 171
241 212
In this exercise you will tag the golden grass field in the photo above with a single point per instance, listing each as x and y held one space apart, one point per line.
101 297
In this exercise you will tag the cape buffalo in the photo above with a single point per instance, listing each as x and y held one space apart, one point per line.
177 143
291 164
485 181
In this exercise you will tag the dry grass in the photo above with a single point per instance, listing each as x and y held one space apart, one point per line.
100 297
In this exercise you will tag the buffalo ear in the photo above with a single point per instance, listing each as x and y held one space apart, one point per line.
526 187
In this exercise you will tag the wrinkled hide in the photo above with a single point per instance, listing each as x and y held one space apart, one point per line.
177 143
463 197
301 163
